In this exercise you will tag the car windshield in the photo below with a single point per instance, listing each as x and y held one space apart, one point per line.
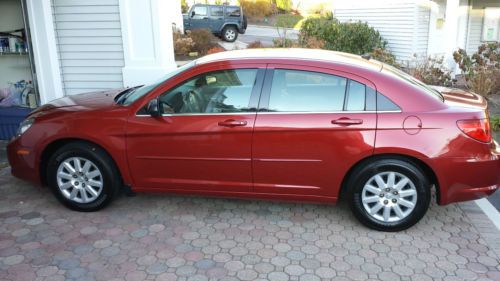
415 82
137 92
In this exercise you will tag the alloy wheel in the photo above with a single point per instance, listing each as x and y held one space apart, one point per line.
389 196
79 180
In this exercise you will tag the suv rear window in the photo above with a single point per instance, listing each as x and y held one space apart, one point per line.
233 12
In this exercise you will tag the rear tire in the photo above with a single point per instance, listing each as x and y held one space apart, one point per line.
229 33
83 177
388 194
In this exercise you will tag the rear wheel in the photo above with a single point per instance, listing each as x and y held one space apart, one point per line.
83 177
389 194
229 33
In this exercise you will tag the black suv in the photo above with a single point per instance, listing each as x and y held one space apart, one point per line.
224 21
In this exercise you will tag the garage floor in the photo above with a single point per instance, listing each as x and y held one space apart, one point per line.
166 237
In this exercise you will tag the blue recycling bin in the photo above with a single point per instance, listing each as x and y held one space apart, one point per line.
10 118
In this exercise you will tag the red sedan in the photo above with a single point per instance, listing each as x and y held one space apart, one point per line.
302 125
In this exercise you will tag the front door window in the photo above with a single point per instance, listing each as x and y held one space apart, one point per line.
226 91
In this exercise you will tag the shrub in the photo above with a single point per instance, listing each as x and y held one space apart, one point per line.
482 69
183 45
256 9
255 45
352 37
203 40
495 123
312 43
283 43
284 5
184 6
430 70
214 50
385 56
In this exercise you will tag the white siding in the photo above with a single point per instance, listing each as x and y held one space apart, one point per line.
403 24
475 29
89 42
476 18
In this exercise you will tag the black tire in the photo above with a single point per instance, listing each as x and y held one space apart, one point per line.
362 174
111 180
245 22
229 33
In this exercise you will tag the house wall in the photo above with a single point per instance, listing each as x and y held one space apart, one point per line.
89 41
476 17
403 24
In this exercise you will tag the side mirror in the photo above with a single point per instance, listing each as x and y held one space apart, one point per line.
192 13
153 108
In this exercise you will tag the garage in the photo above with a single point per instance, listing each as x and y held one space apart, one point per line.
18 90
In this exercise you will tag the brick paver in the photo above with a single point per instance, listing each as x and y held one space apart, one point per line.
167 237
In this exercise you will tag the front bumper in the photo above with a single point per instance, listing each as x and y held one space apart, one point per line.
464 179
23 162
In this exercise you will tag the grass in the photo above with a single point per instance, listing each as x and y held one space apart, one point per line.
289 21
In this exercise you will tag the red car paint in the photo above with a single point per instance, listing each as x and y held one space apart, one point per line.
290 156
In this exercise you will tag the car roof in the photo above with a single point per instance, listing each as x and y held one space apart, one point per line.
293 54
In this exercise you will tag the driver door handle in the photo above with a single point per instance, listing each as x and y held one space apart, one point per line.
232 123
347 121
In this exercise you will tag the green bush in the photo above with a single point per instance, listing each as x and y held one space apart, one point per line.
351 37
495 123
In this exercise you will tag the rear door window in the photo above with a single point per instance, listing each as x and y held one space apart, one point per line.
216 11
306 91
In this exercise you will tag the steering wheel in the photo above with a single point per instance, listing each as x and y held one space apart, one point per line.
193 102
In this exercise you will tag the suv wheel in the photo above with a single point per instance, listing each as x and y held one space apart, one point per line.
229 33
389 194
83 177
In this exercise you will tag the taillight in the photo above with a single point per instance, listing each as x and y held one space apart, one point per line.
478 129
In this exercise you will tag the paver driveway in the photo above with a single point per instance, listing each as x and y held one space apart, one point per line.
190 238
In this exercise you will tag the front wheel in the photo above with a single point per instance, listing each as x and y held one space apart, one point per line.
229 33
83 177
389 194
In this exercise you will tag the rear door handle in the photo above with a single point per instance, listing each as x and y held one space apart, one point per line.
347 121
232 123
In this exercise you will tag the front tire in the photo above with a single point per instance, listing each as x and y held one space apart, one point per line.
389 194
83 177
229 33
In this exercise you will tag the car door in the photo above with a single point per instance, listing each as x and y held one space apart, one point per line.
313 124
200 17
216 18
202 141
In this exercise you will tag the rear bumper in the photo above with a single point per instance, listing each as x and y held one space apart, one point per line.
463 179
22 161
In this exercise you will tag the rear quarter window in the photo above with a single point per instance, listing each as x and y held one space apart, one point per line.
233 12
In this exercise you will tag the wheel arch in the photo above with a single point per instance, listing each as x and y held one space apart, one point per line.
54 145
227 25
429 172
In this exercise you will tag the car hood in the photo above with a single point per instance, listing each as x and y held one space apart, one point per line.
85 101
461 98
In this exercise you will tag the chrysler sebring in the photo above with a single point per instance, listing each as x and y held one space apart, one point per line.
294 124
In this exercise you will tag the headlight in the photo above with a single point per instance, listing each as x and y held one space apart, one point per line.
24 126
